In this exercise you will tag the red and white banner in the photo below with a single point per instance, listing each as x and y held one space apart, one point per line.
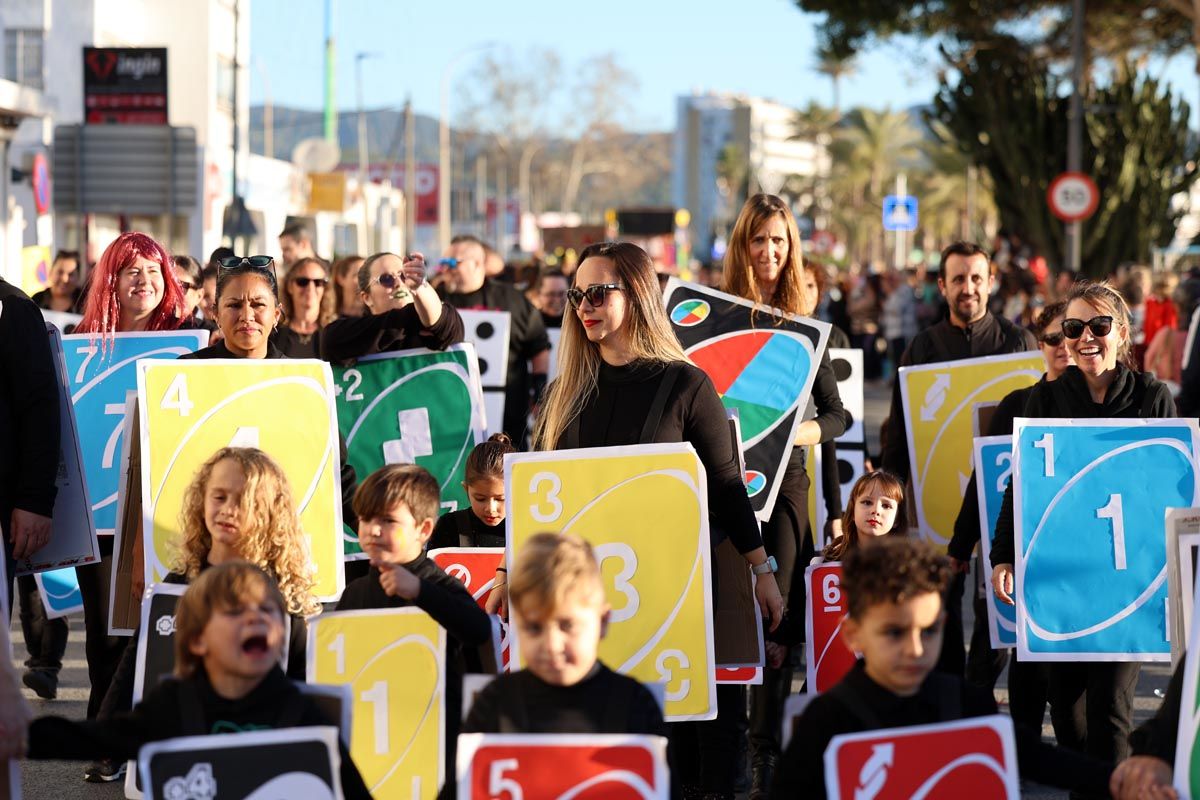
516 766
826 653
974 758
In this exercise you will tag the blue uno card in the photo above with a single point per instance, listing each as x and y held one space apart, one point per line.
1090 498
993 471
98 379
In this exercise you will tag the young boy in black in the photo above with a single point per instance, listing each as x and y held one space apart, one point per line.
229 638
396 508
557 602
895 619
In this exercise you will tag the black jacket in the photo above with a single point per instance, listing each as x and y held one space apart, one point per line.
966 525
29 409
348 338
990 336
1132 395
451 528
616 413
1158 735
167 713
859 704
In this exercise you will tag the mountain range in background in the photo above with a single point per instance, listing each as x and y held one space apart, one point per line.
385 142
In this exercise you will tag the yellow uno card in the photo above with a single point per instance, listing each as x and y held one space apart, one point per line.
394 660
190 409
644 509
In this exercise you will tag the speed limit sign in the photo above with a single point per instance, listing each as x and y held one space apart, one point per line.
1073 196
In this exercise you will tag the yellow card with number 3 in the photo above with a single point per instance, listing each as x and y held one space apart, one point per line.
191 409
644 510
394 660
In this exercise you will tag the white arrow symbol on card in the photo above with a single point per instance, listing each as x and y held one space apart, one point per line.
873 774
935 397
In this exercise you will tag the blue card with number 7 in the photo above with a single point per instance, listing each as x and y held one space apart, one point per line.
1089 503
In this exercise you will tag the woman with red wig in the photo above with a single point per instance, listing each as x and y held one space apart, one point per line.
132 288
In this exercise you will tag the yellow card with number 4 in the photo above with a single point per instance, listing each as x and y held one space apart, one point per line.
191 409
644 510
394 660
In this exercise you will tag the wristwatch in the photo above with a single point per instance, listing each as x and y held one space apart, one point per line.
770 565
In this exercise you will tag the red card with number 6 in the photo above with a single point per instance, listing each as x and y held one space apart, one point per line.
826 653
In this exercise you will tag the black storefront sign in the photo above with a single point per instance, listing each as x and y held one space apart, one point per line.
125 85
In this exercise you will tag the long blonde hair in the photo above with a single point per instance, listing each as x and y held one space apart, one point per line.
648 334
274 540
739 277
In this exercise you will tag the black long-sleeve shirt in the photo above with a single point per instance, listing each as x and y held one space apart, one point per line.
348 338
966 525
990 336
449 528
1132 395
163 714
858 704
603 702
616 412
29 408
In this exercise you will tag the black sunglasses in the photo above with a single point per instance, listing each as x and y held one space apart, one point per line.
1099 326
389 281
256 262
187 287
594 294
303 283
1053 339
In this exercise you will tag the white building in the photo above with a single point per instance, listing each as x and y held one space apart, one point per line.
42 48
757 132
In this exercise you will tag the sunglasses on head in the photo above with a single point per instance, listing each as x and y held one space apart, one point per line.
1053 339
594 294
303 283
1099 326
255 262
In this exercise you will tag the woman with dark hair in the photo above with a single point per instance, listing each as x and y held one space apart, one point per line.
616 356
347 302
402 312
133 287
64 292
764 264
308 306
1091 703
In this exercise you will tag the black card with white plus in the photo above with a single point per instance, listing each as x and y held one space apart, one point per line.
291 763
762 363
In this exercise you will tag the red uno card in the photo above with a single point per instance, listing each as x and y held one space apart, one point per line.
974 758
583 766
474 566
827 656
746 676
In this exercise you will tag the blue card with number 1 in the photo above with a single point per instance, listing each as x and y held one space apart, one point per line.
1090 497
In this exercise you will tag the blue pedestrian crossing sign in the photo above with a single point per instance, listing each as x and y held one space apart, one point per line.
900 212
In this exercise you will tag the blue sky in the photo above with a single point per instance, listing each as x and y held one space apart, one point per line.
758 47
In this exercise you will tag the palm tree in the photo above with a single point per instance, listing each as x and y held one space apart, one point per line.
835 66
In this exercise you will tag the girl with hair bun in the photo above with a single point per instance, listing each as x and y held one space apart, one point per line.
482 523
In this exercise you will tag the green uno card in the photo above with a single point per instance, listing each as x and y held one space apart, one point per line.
421 407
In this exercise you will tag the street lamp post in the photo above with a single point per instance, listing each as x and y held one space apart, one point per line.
364 240
444 145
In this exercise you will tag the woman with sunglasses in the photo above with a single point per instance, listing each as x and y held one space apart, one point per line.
1091 703
402 311
133 287
764 264
191 281
1026 680
616 355
308 306
247 309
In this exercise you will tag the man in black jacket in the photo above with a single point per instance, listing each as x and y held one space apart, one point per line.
29 429
966 278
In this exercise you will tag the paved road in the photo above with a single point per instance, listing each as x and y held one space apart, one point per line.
55 780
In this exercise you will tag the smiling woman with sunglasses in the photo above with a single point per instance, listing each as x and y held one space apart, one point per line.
1091 703
402 312
308 306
